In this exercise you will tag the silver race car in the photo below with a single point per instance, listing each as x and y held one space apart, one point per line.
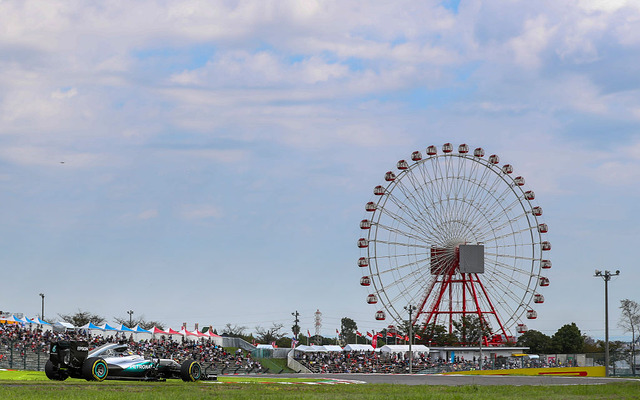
116 361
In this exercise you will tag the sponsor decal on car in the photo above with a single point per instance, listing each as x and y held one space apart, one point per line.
146 365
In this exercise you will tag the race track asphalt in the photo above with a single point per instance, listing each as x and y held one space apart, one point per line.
460 380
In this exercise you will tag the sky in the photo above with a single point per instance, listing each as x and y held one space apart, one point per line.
209 161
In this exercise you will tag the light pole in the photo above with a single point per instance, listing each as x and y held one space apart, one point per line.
130 312
296 328
411 309
42 313
606 276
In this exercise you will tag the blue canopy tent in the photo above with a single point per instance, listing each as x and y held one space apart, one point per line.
91 326
108 328
20 320
40 321
138 329
124 328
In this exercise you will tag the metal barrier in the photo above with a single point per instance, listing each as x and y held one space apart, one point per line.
24 359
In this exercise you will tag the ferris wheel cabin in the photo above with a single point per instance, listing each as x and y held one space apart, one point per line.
402 164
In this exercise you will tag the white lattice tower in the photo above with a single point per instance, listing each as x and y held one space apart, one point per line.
318 316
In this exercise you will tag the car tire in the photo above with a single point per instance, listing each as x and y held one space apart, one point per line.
190 371
95 369
54 373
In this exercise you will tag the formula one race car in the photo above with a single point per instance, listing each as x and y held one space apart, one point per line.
115 361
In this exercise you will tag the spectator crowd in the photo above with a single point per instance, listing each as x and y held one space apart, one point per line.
20 341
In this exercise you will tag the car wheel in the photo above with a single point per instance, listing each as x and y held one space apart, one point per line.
95 369
52 372
190 371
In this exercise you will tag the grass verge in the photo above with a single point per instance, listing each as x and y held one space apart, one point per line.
33 385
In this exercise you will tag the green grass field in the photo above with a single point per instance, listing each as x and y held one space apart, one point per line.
34 385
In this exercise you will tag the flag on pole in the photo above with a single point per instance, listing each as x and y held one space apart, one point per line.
418 336
369 334
406 338
308 333
337 332
374 341
389 334
358 333
294 343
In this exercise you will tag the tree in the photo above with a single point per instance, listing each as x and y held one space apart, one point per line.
567 340
470 329
81 318
348 328
268 335
140 321
590 345
536 341
630 322
233 330
437 334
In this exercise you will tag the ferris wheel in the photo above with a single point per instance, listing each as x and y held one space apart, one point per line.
454 234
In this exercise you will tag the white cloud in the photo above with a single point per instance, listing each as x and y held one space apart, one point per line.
200 212
62 94
148 214
534 39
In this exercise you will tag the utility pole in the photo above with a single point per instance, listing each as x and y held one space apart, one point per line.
130 312
411 309
296 328
606 276
42 313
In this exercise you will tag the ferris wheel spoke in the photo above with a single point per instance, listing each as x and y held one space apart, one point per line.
485 192
404 294
500 287
500 277
503 210
507 222
399 232
395 255
513 256
401 244
413 225
409 277
521 274
510 234
398 268
420 205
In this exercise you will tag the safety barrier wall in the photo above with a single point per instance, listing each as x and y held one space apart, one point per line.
560 371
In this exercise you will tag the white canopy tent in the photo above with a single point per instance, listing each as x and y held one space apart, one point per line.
358 347
403 348
318 349
62 326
